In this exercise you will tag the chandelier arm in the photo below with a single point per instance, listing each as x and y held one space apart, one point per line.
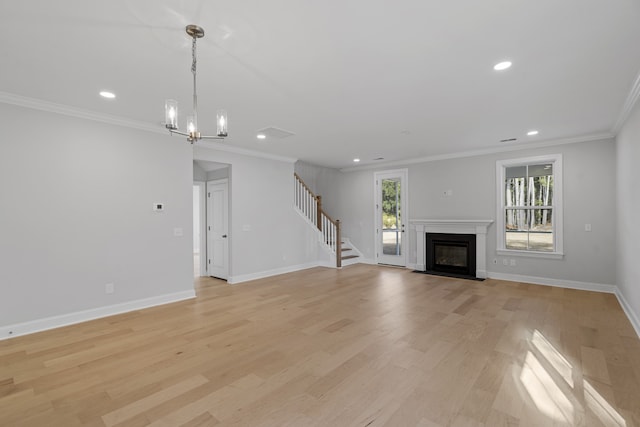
179 133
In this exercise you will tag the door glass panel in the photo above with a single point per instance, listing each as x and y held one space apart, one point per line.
391 217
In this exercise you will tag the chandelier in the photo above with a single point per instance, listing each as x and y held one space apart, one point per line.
171 105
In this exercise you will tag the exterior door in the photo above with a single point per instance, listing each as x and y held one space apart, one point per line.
218 229
391 216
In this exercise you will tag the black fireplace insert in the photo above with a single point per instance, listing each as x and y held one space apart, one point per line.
451 254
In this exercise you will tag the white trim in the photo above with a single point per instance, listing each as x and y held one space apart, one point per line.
556 204
631 315
559 283
202 194
629 103
485 151
465 226
530 254
242 151
47 323
268 273
404 207
52 107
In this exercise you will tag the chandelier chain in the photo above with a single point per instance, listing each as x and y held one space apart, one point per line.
193 70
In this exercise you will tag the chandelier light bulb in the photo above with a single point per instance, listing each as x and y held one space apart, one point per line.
191 124
222 123
171 114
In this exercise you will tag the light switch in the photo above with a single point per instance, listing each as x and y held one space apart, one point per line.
177 232
587 227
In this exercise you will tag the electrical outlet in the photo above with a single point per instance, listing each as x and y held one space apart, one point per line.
512 262
505 262
109 288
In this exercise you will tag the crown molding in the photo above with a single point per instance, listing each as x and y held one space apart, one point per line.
484 151
52 107
630 102
212 145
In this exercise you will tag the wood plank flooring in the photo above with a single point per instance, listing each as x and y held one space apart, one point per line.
363 346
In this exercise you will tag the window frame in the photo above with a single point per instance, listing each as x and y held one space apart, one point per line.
556 206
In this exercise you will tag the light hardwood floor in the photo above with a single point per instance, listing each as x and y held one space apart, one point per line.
361 346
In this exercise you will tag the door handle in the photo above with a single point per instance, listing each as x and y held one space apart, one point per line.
224 236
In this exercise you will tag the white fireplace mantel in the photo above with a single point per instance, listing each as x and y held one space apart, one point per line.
453 226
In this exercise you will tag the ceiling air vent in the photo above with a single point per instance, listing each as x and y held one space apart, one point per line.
509 140
273 132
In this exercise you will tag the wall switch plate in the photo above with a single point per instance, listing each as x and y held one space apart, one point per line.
587 227
109 288
177 232
246 227
505 262
512 262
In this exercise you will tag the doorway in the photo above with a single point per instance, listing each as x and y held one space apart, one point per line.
218 228
199 246
391 211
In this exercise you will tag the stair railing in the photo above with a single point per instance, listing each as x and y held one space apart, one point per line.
310 206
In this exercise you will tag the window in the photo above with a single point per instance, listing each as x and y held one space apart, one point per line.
529 218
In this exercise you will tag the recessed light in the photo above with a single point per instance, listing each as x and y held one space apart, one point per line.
356 160
106 94
502 65
261 136
532 132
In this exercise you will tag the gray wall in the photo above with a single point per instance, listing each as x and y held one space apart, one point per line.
87 219
589 197
266 233
628 189
199 174
218 174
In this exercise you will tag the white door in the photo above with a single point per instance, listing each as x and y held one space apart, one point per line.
391 216
218 229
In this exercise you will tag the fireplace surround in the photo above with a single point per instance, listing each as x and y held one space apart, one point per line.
475 227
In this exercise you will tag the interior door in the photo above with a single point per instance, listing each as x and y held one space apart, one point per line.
218 228
391 212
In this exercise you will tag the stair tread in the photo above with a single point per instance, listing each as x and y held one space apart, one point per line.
346 249
349 257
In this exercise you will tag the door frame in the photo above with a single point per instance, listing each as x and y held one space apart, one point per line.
202 192
224 181
377 219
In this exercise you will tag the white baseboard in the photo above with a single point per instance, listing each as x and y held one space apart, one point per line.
631 315
53 322
268 273
560 283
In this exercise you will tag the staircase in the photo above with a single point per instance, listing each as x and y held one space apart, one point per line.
309 206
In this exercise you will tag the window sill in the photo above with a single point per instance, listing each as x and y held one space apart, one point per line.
530 254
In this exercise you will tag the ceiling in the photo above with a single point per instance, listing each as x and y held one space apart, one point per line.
354 78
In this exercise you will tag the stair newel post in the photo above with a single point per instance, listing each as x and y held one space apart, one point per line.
338 244
319 212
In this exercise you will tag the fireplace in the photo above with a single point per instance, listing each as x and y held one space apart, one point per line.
477 227
451 254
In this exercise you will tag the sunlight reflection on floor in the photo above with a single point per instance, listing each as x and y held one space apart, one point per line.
548 396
